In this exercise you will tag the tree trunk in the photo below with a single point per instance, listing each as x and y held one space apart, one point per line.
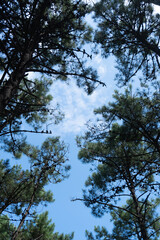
15 234
9 90
140 218
12 85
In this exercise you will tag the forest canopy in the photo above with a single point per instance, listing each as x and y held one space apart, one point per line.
123 144
50 38
47 38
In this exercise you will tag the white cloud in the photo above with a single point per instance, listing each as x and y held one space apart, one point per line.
101 70
99 64
77 105
157 9
91 1
98 59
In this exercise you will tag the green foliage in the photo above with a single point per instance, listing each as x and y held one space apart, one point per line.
23 190
125 224
46 164
6 227
45 37
130 31
41 228
101 233
125 144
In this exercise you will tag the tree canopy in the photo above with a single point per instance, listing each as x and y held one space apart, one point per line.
123 144
44 37
49 37
40 228
130 31
124 147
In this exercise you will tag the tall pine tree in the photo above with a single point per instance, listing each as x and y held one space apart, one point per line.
45 37
130 31
124 147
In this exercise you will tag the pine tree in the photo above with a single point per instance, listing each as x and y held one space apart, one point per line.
130 31
124 146
44 37
124 142
40 227
21 191
43 229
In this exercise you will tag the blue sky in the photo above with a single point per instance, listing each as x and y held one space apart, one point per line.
78 108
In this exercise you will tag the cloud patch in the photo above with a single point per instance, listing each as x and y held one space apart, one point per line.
77 105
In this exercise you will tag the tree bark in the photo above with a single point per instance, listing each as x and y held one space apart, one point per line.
31 202
15 234
140 217
11 86
8 91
